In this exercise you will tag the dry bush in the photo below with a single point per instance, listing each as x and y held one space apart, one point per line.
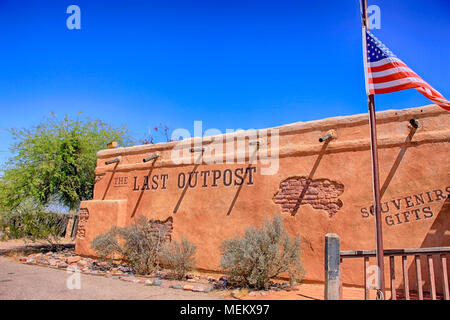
136 244
262 254
178 257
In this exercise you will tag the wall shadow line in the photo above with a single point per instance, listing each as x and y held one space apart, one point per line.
397 161
238 191
197 163
143 189
310 177
110 180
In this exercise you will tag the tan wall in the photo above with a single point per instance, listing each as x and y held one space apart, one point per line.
412 162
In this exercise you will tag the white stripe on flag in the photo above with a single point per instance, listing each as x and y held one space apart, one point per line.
389 72
397 82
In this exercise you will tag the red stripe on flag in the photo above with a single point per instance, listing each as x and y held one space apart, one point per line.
410 85
392 77
386 66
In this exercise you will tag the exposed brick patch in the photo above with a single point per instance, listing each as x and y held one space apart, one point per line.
320 194
99 177
84 216
165 226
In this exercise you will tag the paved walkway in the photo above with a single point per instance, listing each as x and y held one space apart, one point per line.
30 282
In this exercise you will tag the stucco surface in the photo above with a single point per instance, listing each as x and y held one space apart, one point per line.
414 174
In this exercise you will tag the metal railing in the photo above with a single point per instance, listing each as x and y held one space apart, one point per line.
404 253
332 252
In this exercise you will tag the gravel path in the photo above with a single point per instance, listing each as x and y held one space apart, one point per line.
29 282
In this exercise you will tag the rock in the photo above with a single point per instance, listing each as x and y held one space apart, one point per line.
198 289
73 259
130 279
125 269
62 265
82 263
30 260
188 287
53 262
176 286
22 259
153 282
219 286
73 269
239 293
157 282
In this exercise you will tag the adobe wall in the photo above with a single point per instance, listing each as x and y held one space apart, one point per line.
319 188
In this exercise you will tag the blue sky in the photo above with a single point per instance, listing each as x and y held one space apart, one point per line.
231 64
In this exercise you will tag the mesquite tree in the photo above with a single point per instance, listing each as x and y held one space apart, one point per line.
55 162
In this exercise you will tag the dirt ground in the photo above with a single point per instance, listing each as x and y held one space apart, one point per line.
28 282
21 281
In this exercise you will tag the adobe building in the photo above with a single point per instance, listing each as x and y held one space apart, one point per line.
317 187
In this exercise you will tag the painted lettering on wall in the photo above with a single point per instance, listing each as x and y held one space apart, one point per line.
192 179
408 209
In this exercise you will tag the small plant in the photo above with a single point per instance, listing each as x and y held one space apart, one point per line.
178 257
32 222
137 244
106 244
262 254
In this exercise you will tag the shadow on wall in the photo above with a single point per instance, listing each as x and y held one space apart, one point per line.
397 161
310 177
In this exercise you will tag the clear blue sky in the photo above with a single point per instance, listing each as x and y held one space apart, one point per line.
231 64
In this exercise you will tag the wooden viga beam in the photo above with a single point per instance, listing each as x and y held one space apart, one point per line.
115 160
151 157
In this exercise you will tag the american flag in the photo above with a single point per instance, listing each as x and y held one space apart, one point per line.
386 73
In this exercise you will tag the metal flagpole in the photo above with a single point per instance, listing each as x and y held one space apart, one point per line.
375 173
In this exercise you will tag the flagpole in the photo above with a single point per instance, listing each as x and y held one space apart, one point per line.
375 173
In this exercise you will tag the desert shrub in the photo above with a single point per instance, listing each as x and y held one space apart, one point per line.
137 244
31 221
106 244
262 254
178 257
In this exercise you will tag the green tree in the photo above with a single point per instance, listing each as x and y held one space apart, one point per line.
55 161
